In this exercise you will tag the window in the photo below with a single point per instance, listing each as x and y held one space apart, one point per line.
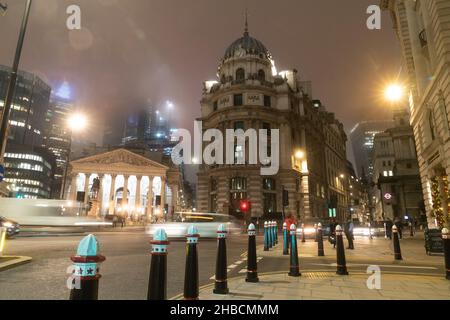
432 127
391 173
238 183
266 126
240 74
239 154
269 184
267 101
385 173
261 75
384 163
269 202
239 125
238 100
213 185
408 165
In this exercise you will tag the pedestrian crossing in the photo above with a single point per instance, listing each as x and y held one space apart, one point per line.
236 264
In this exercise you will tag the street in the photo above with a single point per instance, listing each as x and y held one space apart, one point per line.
126 269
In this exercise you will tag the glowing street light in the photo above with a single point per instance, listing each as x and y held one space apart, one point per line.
300 154
77 122
394 93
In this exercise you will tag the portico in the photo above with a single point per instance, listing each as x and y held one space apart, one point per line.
130 184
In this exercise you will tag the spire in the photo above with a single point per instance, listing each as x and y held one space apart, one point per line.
246 22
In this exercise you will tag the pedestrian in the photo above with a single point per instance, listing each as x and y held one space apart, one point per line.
122 221
332 236
114 221
348 229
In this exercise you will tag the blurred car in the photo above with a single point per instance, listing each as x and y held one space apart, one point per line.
310 229
12 227
206 223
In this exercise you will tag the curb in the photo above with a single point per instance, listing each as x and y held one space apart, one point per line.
15 262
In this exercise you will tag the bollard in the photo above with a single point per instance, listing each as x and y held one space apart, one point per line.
191 289
266 237
397 250
320 251
340 253
86 270
285 240
157 283
275 228
221 284
303 233
252 265
294 268
446 240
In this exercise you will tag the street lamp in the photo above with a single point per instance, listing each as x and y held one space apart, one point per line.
12 80
394 93
300 154
75 123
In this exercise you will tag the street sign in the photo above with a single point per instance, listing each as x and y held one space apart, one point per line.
2 173
388 196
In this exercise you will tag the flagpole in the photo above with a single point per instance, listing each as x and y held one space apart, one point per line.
12 81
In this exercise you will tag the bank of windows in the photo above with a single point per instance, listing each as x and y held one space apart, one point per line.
388 173
238 189
269 195
25 181
25 166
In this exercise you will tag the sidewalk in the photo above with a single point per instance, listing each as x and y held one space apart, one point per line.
329 286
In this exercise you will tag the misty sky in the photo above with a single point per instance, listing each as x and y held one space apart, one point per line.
133 51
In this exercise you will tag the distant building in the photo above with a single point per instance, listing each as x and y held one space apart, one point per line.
26 162
361 138
423 31
396 172
57 134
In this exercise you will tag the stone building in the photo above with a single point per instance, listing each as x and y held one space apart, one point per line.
251 94
396 172
422 28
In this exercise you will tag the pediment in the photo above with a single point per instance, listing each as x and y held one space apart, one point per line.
118 157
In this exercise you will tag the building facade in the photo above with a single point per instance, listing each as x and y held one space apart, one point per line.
361 138
396 172
422 28
251 94
26 162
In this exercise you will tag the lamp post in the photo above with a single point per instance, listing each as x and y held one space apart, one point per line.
12 81
75 123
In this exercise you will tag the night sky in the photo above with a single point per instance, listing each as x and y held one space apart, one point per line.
133 51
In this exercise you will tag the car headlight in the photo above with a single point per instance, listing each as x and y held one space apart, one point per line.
8 225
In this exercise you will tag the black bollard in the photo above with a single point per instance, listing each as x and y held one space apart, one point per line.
411 230
252 265
303 233
191 289
294 270
157 284
446 242
266 237
85 279
340 253
221 284
320 251
397 250
285 240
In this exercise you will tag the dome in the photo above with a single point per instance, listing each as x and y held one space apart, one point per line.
249 45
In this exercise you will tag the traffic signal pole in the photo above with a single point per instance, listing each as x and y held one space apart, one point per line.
12 83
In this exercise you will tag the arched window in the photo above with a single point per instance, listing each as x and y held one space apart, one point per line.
261 75
240 74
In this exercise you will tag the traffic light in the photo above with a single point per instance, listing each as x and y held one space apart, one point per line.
244 206
285 198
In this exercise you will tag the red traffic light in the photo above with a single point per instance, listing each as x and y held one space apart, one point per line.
244 206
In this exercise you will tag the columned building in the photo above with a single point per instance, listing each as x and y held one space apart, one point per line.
422 28
251 94
124 183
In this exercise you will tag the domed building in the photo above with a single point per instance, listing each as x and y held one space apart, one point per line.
249 93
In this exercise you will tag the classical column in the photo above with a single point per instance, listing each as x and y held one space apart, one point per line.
150 197
112 192
137 199
163 193
86 187
73 187
125 191
100 194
